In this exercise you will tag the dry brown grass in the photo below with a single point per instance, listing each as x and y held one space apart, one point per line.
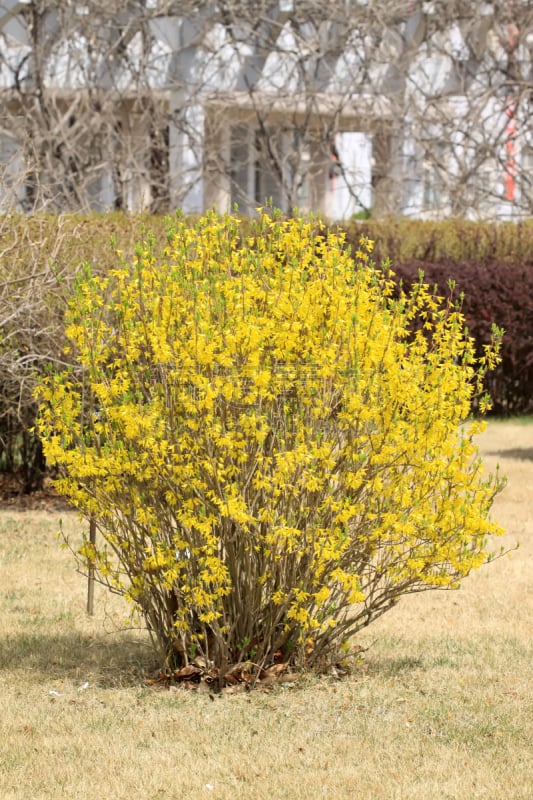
440 708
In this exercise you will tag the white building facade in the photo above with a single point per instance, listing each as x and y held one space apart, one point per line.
346 111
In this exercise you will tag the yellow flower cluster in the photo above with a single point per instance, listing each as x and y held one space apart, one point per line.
268 432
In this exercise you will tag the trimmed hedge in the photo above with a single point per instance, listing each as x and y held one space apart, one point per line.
492 263
71 239
404 240
40 258
88 238
494 293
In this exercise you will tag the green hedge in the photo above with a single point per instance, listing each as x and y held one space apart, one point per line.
403 240
88 238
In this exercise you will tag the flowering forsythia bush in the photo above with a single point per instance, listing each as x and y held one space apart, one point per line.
274 446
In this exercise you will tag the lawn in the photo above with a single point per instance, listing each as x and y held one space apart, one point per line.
439 707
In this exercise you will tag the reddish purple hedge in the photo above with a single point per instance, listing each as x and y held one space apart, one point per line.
494 293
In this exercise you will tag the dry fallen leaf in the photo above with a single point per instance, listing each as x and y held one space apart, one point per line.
188 673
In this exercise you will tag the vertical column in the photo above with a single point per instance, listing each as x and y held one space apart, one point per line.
216 172
386 170
186 143
319 172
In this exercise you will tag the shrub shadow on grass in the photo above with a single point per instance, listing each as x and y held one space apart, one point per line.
108 661
393 667
520 453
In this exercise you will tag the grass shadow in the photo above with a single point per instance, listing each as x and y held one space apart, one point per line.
108 661
448 652
394 667
520 453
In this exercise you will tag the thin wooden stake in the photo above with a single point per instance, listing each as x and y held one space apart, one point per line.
90 583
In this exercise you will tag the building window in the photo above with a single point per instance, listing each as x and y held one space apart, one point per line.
526 179
432 187
159 169
268 168
277 164
240 166
256 161
11 182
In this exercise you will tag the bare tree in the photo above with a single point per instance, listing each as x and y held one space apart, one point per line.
31 333
412 107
